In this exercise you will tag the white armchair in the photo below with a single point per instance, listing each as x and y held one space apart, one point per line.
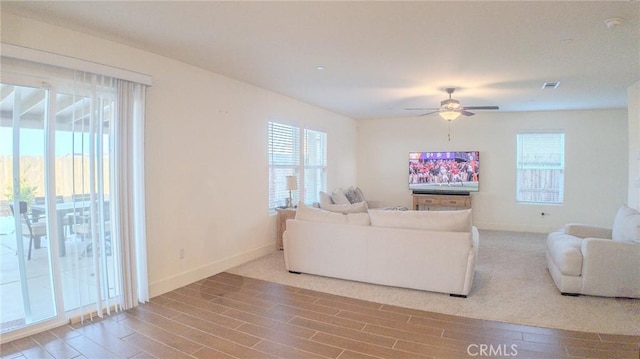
584 259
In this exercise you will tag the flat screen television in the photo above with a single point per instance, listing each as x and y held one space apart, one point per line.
444 172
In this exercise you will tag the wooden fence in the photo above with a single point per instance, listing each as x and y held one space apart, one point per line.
71 176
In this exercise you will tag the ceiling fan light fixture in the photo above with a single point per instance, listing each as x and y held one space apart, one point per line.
450 109
449 115
450 104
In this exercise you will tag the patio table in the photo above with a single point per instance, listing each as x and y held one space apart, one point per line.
61 210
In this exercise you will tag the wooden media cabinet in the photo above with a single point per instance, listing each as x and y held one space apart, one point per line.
434 202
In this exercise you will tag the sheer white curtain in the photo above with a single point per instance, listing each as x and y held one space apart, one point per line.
93 99
129 191
108 133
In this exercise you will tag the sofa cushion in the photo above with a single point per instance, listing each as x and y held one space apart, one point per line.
566 252
454 221
358 219
626 225
347 208
311 214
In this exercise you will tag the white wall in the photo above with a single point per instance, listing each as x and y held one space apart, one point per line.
206 154
596 163
633 100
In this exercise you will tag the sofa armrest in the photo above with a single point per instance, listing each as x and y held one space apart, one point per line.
610 268
587 231
475 239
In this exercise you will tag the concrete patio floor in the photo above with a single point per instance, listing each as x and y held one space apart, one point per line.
77 276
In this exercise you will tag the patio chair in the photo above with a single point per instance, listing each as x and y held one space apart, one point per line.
72 219
83 230
34 230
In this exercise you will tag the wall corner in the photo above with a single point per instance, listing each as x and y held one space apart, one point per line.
633 101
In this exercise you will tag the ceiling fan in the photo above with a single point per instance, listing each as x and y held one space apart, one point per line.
451 108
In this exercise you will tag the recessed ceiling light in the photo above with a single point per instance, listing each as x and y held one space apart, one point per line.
320 67
613 22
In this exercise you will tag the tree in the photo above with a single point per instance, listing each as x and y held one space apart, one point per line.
27 191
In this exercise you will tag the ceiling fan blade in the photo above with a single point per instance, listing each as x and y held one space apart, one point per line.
481 108
421 109
466 113
429 113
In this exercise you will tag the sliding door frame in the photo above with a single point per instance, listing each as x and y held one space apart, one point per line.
60 317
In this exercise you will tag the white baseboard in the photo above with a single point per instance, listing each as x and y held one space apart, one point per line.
194 275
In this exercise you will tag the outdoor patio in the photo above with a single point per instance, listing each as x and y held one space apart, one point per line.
77 271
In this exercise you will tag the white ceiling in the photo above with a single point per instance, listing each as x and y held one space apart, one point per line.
382 57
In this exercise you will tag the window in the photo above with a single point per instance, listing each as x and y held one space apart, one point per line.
540 167
288 158
315 165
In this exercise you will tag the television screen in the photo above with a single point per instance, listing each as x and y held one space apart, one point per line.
444 172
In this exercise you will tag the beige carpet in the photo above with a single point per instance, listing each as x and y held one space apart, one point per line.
512 285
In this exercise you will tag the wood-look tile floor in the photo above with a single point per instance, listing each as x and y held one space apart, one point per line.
229 316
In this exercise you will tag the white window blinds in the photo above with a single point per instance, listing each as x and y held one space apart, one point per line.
284 160
540 167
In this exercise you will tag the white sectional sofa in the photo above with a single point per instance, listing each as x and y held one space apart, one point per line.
433 251
584 259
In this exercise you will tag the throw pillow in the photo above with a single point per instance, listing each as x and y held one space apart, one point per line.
396 208
325 199
347 208
338 197
626 225
354 194
453 221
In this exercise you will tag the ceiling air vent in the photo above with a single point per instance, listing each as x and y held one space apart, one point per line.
550 85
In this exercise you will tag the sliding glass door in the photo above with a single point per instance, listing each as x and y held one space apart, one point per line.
72 218
56 237
26 288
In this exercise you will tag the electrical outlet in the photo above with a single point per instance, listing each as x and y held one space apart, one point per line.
181 253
